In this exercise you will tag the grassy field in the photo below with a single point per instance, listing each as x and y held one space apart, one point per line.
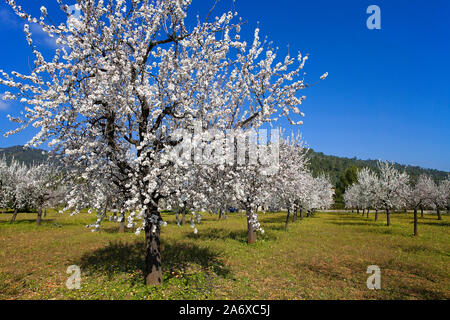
322 257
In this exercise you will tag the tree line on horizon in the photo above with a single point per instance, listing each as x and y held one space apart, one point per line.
342 172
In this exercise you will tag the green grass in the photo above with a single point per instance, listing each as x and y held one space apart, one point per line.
322 257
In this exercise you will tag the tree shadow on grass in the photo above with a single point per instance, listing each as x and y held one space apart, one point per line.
422 249
437 223
278 227
282 219
219 234
419 292
119 257
277 219
27 221
368 224
115 229
240 236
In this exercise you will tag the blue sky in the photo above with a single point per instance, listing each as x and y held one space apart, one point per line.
386 97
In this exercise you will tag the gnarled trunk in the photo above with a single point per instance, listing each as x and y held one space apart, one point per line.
294 218
438 211
388 217
39 217
286 227
416 233
183 217
13 218
251 232
367 213
122 224
153 271
364 212
301 213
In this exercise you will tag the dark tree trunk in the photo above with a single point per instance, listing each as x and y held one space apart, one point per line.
251 232
415 223
364 212
153 271
388 217
13 218
294 218
220 213
286 227
421 212
376 214
357 210
39 217
307 213
367 213
301 213
122 224
183 217
102 216
45 212
438 211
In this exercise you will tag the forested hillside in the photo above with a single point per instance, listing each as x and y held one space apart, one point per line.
320 163
25 155
342 171
334 167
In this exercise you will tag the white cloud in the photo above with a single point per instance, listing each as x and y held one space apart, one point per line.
8 19
3 104
42 37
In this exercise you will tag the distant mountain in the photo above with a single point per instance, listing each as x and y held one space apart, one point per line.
25 155
332 166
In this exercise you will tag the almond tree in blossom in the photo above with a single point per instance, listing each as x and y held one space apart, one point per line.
352 196
290 176
438 196
392 187
16 188
419 195
5 184
368 184
43 180
250 183
445 189
127 75
324 191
